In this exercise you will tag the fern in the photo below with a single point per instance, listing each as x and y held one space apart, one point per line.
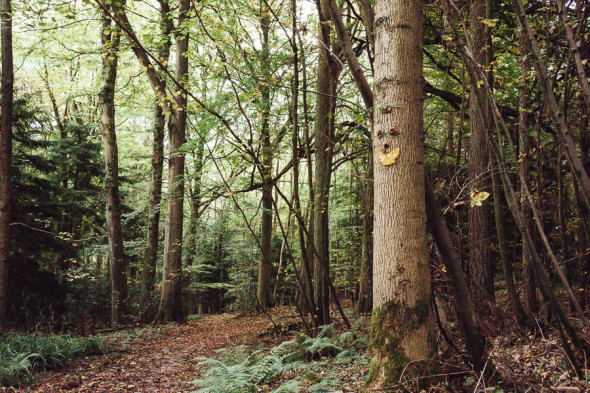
241 369
21 356
321 346
291 386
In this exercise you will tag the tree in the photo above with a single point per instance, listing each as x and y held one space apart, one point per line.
111 38
480 219
402 324
171 299
6 111
155 198
328 71
265 266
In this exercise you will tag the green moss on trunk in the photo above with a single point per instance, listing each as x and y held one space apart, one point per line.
390 323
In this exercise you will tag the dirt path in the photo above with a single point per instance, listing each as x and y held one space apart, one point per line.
159 360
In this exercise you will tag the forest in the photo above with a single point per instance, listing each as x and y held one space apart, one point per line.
226 196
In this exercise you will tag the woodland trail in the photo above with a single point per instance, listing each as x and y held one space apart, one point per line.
159 360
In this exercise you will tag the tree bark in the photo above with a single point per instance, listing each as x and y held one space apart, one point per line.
365 298
328 72
195 205
155 198
171 299
265 266
6 115
530 288
514 298
480 266
402 325
111 39
464 310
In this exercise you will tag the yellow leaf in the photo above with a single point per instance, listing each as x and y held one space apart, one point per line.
388 158
478 197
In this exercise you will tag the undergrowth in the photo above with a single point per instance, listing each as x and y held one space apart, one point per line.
22 355
285 368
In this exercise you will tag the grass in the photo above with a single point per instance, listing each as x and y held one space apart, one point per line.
23 355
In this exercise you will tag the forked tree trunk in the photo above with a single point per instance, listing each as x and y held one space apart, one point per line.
328 72
265 266
6 114
155 198
111 39
402 326
171 299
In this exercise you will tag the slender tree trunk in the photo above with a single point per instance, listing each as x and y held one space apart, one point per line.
365 299
305 283
6 115
402 325
464 310
111 38
513 296
328 72
480 223
155 197
171 299
557 118
195 205
530 288
265 266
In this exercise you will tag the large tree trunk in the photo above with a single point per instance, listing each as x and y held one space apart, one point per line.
265 266
402 326
111 39
171 299
328 72
6 108
480 223
155 198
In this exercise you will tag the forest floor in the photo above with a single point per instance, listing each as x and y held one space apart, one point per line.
164 359
157 359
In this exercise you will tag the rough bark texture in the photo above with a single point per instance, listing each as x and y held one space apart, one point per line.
480 223
328 72
6 109
171 299
402 325
265 265
111 39
155 198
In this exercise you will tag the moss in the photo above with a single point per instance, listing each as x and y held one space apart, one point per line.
389 324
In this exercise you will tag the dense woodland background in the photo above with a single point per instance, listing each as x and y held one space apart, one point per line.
167 159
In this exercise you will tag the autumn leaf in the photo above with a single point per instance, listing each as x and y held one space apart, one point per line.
478 197
388 158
